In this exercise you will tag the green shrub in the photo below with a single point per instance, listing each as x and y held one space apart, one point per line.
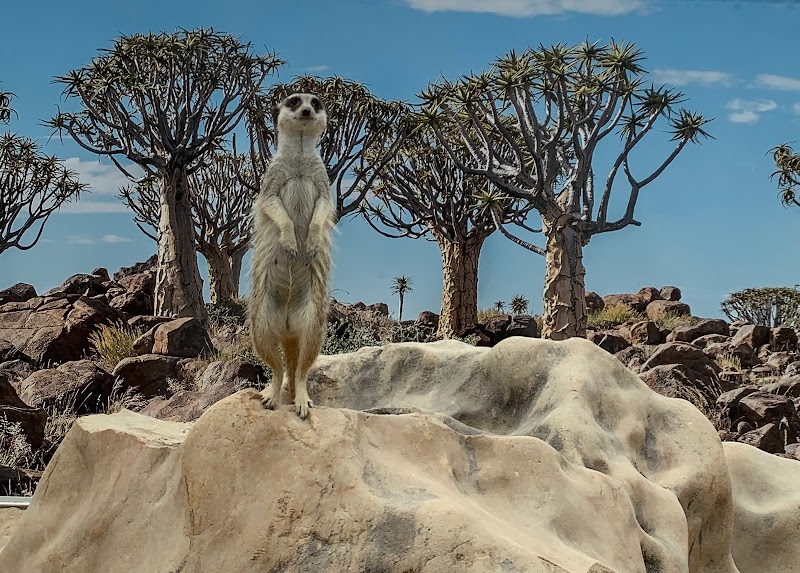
768 306
613 315
671 321
114 343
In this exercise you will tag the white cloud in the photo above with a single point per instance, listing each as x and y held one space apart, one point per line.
686 77
80 240
102 178
315 69
772 81
522 8
85 207
796 107
747 111
115 239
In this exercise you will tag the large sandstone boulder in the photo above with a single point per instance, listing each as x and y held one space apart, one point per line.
532 456
766 510
54 330
635 301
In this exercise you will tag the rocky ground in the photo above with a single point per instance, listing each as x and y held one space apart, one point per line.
744 378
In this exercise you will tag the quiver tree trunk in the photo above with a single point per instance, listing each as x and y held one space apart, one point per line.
236 268
179 288
222 283
460 285
564 288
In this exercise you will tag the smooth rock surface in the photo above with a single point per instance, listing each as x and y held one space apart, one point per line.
534 456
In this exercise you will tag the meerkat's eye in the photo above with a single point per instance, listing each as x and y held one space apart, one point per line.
316 103
294 102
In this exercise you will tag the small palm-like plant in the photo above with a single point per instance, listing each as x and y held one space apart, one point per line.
400 286
519 304
499 306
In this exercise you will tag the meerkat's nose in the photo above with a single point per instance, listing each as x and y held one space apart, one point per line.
306 112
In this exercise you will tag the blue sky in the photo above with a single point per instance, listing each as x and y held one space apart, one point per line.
711 224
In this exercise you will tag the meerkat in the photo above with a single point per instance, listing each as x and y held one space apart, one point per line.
293 219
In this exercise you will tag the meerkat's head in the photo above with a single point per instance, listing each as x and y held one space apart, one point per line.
300 115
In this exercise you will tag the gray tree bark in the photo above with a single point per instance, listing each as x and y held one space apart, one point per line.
179 288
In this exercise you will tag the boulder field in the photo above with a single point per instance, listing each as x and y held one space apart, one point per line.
532 456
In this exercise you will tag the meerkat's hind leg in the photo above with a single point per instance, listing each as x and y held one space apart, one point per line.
309 350
291 348
271 395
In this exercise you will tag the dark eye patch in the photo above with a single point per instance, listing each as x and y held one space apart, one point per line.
294 102
316 103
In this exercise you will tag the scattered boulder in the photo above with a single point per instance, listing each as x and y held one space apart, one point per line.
137 269
9 351
144 343
146 322
14 410
752 335
132 303
688 355
522 325
146 374
670 293
20 292
708 339
184 337
783 338
778 361
767 438
428 319
80 284
16 369
645 332
610 341
635 301
649 294
378 309
220 380
761 408
701 328
786 386
54 330
594 302
82 383
502 326
661 308
102 274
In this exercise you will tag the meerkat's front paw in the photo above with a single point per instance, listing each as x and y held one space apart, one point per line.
302 406
270 396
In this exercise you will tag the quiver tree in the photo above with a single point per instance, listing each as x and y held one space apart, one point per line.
400 286
165 101
788 172
220 212
767 306
533 126
421 193
363 134
32 186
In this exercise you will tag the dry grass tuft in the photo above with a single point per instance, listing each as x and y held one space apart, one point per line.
114 343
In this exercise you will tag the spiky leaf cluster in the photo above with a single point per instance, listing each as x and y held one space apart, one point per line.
32 186
788 172
533 123
163 100
767 306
